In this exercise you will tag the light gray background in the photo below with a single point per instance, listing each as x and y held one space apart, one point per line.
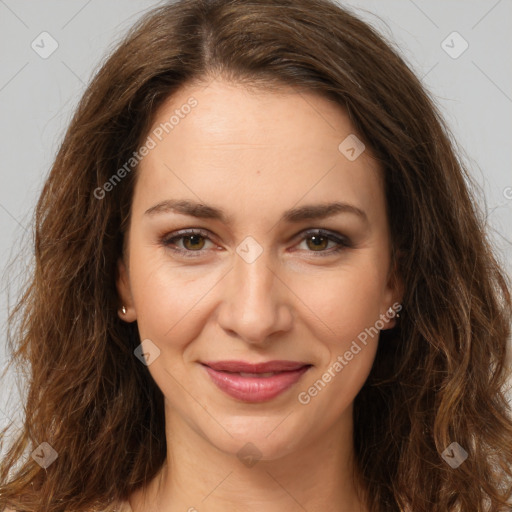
38 96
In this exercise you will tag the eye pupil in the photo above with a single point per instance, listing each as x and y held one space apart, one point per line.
318 241
195 238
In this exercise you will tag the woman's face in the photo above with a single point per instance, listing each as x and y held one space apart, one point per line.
257 284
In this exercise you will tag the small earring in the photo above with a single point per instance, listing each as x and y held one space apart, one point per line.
391 312
123 309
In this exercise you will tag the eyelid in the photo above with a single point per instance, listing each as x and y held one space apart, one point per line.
169 238
343 241
334 236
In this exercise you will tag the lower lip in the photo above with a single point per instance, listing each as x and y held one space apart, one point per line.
255 389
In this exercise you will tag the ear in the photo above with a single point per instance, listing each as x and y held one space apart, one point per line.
393 296
124 292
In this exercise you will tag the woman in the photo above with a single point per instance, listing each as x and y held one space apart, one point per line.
188 351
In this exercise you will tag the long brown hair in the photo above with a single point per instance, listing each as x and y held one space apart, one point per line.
438 378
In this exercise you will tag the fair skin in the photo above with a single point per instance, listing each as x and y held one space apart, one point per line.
255 155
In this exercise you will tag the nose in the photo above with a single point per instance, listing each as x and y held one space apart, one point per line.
255 303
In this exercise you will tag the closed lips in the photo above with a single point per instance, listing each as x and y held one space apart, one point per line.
255 369
255 382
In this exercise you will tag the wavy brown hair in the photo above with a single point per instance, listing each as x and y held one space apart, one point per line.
438 377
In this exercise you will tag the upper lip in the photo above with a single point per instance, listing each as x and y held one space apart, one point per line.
242 366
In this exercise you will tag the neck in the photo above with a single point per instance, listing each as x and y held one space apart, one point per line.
197 476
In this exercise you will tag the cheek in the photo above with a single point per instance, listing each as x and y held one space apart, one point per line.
170 299
346 309
164 294
174 302
343 302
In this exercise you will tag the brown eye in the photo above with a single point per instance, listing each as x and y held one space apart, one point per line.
317 242
192 242
187 243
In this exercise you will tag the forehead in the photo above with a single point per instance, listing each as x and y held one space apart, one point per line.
254 148
230 116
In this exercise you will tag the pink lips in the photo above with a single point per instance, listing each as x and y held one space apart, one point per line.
233 377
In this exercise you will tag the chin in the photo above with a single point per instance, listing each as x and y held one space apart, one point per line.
267 439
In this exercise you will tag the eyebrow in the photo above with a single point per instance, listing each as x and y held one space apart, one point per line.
294 215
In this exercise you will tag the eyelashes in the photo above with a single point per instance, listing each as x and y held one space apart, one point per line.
194 236
170 242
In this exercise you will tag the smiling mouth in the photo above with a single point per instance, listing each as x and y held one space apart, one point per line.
259 368
258 382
